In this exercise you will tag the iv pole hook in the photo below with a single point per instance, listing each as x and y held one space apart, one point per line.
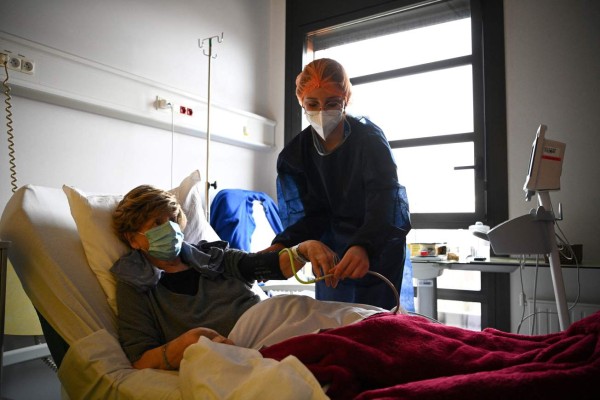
210 43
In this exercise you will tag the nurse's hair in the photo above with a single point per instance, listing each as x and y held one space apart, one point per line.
141 204
325 73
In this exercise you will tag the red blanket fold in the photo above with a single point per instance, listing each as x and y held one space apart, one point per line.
405 357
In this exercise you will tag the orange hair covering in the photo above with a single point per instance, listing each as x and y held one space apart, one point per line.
323 73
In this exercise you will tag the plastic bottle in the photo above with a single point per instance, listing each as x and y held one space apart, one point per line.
480 248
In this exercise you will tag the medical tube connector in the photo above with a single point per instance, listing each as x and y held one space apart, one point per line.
290 253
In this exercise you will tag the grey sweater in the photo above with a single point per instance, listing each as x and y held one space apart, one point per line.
151 315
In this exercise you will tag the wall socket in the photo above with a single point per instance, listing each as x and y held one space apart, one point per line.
161 104
17 62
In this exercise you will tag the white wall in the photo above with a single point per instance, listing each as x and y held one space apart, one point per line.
155 40
553 77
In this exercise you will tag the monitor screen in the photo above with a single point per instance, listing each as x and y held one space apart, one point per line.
545 164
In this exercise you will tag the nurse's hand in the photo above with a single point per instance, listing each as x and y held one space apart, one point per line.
321 257
354 264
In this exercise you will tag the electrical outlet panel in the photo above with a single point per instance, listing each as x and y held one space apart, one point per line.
17 62
27 66
162 104
186 110
14 63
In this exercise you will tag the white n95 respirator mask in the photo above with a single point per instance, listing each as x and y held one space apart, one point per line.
324 122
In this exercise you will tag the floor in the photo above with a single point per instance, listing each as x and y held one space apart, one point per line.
30 380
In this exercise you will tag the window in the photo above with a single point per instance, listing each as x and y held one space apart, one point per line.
418 72
412 74
460 313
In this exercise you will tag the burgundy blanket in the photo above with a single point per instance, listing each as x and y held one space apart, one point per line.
391 356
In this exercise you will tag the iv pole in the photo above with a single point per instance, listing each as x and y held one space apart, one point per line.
210 56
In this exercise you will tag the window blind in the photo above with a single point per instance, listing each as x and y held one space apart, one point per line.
407 18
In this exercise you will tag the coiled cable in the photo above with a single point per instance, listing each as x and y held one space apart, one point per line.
49 361
9 131
13 173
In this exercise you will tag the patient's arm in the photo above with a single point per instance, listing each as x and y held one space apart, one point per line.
273 247
265 265
169 355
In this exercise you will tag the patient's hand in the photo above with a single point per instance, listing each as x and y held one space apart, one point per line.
174 349
193 335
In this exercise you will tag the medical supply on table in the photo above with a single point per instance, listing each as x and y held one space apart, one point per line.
480 248
428 251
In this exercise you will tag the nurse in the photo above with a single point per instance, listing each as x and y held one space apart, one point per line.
337 183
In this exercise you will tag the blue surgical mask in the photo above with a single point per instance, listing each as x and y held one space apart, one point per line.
165 241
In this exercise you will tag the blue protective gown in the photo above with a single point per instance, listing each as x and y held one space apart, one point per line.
348 197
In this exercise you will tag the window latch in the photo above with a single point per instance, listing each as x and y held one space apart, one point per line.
478 167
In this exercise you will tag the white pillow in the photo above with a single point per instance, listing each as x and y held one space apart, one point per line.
189 193
93 216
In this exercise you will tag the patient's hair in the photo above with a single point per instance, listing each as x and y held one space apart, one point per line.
141 204
325 73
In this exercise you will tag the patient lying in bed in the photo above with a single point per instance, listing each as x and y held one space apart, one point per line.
170 292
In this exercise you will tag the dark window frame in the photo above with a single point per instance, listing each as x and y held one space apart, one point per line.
305 16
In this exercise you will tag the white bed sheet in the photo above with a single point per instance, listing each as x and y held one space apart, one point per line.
208 369
285 316
223 372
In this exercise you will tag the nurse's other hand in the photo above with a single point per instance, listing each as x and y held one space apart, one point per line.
354 264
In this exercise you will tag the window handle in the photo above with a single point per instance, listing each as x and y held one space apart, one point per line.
465 167
478 167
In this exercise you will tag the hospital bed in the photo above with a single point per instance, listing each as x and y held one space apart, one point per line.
60 241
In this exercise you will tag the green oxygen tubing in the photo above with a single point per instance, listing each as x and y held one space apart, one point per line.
287 250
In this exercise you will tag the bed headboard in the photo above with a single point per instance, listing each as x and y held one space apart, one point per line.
49 259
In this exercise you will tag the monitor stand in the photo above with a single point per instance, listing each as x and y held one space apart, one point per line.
534 233
555 268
